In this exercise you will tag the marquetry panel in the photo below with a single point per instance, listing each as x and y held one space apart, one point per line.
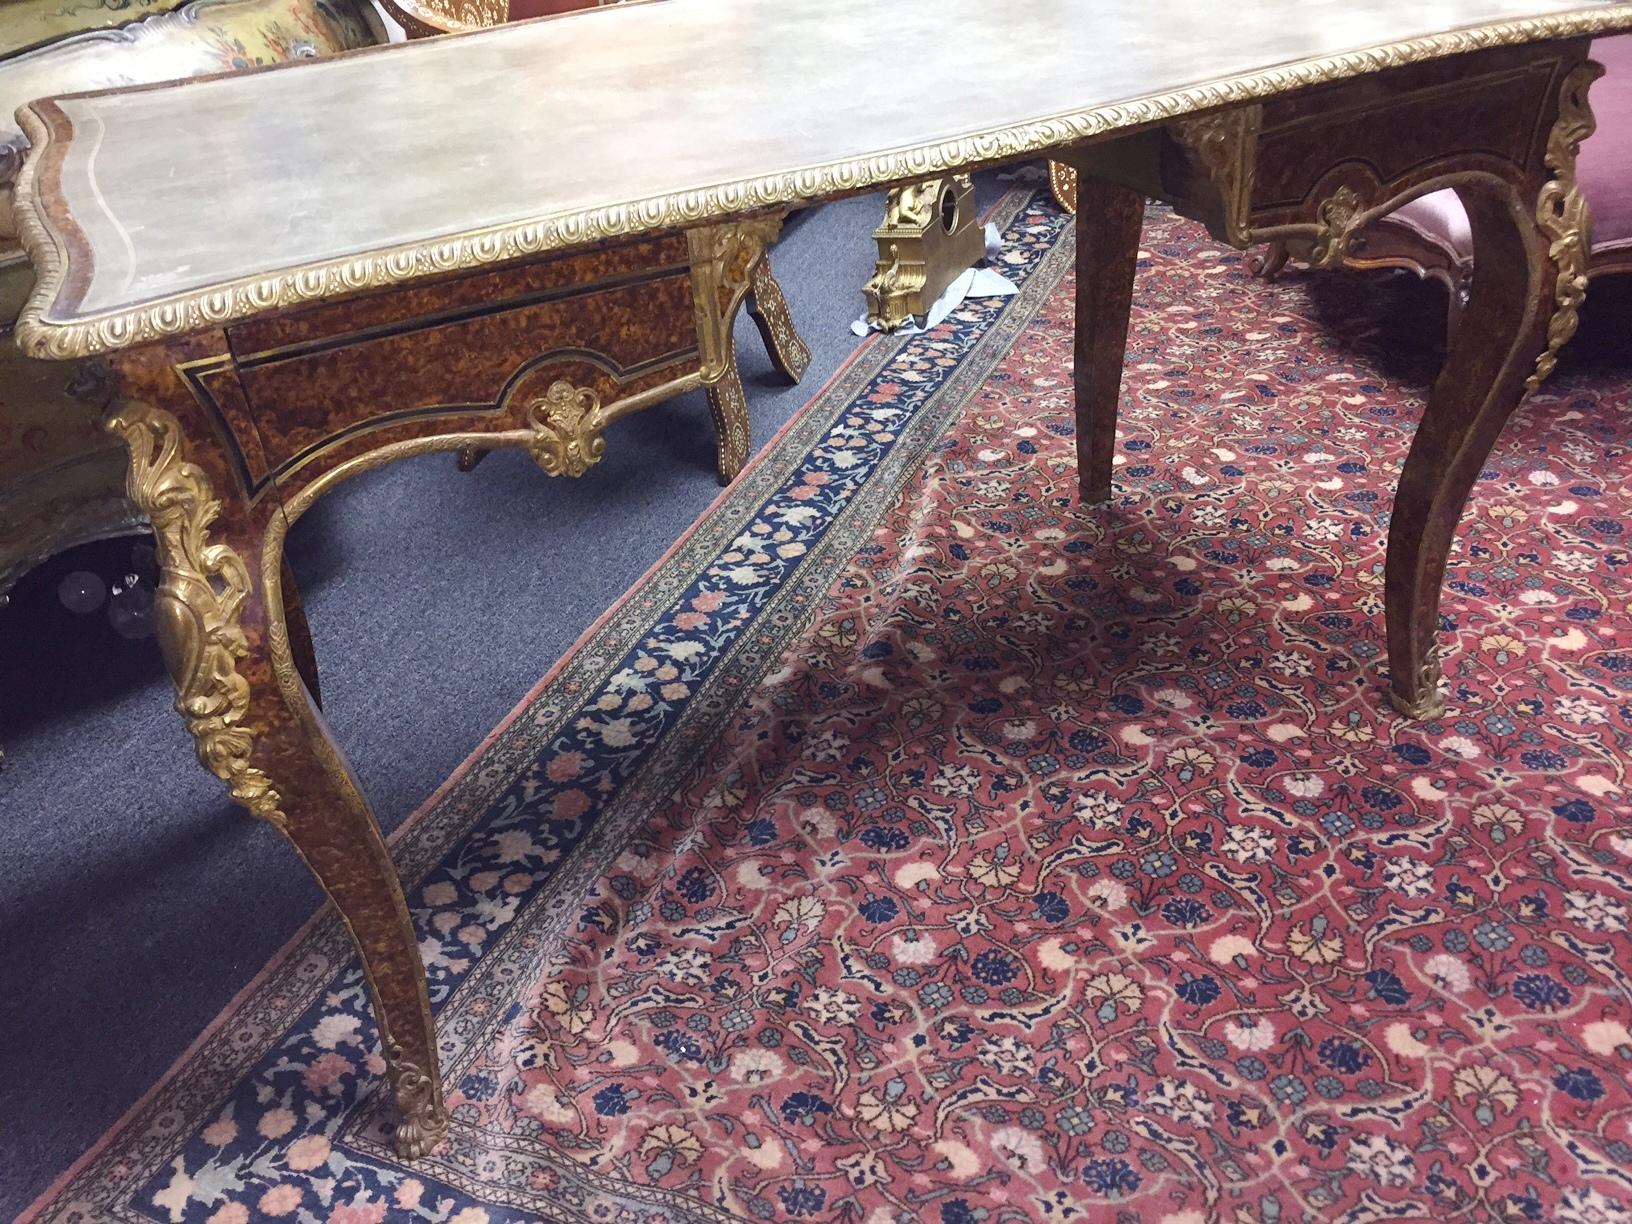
447 359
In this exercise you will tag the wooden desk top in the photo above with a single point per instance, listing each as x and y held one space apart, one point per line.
159 211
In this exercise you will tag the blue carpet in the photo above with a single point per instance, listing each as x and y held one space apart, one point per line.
141 900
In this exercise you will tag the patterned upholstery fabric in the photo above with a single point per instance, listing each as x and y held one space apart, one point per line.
61 477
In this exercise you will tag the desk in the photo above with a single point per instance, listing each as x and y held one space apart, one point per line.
253 374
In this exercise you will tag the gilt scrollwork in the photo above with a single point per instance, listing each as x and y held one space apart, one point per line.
891 284
199 604
1338 220
1223 147
722 261
566 422
725 254
1562 215
424 1119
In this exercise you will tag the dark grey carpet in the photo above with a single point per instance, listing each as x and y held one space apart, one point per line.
138 901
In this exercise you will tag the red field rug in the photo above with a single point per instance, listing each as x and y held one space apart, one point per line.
917 845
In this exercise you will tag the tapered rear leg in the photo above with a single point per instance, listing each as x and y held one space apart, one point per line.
1109 218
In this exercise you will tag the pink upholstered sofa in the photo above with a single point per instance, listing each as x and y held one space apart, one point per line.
1431 236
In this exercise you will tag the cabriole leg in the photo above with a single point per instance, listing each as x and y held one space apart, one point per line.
227 643
1529 278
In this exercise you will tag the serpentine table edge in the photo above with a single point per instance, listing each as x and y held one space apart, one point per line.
1305 155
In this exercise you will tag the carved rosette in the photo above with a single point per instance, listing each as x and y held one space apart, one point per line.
1561 213
566 422
199 603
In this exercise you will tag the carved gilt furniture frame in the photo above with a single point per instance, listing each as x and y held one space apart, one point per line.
292 404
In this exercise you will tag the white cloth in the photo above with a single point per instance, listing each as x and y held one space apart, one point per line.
976 282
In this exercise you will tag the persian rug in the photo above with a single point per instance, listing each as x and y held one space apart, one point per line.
915 844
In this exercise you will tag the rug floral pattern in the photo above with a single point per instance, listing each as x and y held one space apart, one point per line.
1069 866
1041 863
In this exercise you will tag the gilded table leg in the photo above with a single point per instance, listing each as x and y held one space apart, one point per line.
226 640
1108 223
768 308
728 403
724 260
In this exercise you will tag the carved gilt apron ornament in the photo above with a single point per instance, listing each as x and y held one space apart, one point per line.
1339 215
723 258
198 605
566 422
1561 212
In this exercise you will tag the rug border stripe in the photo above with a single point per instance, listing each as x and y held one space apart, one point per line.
866 347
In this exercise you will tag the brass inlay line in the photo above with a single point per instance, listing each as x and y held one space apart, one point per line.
462 314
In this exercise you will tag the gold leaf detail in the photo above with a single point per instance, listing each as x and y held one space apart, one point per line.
1224 149
199 603
424 1119
40 334
1561 212
566 422
1339 216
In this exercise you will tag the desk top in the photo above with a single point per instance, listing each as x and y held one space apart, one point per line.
155 212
